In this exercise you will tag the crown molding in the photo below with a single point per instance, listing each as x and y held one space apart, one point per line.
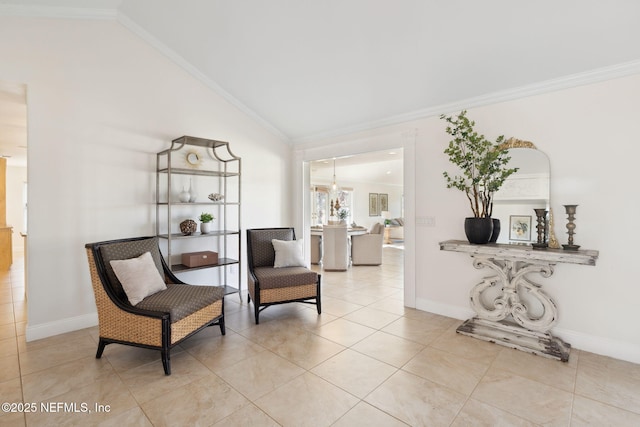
547 86
195 72
57 12
552 85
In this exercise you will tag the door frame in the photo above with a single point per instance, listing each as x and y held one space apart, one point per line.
301 182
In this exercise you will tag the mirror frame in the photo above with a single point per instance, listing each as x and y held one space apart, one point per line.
520 143
517 143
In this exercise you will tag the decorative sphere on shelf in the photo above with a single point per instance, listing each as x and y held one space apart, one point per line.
188 227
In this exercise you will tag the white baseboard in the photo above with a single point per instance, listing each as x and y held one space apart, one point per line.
49 329
447 310
599 345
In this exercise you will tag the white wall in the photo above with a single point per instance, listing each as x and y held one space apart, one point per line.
360 207
361 200
590 135
101 103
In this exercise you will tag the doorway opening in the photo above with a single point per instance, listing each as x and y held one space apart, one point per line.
365 192
13 209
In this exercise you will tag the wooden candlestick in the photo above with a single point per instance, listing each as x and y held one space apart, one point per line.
571 212
541 215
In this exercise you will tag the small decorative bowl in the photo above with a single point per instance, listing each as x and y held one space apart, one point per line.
215 197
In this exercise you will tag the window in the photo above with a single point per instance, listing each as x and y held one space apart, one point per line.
321 205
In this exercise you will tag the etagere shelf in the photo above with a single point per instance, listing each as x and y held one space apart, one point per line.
204 166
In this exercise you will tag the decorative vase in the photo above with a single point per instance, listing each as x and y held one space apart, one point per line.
496 230
184 196
478 230
205 227
193 195
553 240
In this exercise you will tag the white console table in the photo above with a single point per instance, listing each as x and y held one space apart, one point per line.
507 319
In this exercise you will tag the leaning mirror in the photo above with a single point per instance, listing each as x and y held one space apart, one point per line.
522 192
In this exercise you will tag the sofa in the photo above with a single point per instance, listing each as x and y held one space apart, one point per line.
394 230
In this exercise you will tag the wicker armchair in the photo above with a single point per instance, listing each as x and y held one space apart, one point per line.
160 321
268 285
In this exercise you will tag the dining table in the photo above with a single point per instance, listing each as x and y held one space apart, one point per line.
351 231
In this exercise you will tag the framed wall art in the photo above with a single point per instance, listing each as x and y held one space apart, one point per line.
383 201
373 204
520 227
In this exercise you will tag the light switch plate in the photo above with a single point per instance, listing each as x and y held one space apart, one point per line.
426 221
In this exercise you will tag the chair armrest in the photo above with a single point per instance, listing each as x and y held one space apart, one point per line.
367 239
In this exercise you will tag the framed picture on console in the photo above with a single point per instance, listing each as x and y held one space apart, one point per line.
373 204
520 227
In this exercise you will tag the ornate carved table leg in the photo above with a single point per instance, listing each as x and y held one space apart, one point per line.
511 309
505 315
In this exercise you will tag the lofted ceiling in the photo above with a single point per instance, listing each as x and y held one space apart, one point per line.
318 68
312 69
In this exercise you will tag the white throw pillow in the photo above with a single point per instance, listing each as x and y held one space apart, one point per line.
139 277
289 253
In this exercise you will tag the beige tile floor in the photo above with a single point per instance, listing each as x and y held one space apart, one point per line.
366 361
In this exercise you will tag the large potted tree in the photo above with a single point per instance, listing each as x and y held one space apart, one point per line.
484 168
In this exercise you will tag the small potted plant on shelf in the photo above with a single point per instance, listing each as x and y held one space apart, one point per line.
205 220
484 167
343 213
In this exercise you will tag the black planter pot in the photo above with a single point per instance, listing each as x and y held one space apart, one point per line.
496 230
478 230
